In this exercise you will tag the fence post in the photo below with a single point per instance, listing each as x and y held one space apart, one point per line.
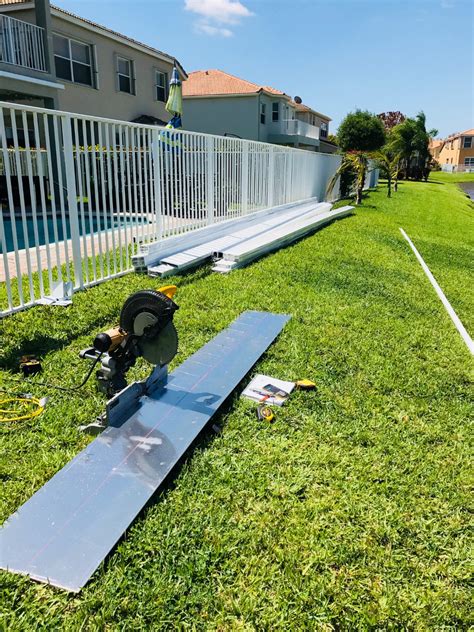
210 176
157 183
271 176
289 177
245 178
72 199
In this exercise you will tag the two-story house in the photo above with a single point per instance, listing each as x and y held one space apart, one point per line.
455 153
311 117
217 102
52 58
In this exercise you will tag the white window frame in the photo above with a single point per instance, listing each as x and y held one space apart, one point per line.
469 161
323 129
91 65
467 138
164 87
263 113
131 76
275 111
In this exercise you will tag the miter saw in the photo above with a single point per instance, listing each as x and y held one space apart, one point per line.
145 330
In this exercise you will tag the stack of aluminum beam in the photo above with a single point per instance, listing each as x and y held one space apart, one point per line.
186 258
240 254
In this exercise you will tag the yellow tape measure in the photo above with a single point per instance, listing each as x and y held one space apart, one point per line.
20 408
265 413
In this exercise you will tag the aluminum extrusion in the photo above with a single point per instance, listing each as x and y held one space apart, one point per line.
62 534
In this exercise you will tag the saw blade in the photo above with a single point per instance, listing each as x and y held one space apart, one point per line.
162 348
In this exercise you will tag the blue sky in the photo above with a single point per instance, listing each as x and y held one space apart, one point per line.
337 55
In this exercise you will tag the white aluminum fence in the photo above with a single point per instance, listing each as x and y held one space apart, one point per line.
79 195
21 43
466 168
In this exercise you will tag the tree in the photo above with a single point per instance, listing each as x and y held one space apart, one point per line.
388 161
390 119
411 140
359 134
361 131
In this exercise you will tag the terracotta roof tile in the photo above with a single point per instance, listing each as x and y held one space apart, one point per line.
467 132
218 82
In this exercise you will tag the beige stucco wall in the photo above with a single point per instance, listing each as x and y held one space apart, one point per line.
229 115
238 115
453 152
106 100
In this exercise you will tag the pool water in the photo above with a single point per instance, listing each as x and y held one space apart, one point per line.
87 229
468 188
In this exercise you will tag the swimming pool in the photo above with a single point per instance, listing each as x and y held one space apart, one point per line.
87 229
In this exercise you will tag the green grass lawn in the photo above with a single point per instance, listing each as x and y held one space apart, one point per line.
351 511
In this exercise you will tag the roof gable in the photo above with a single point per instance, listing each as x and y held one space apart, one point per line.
218 83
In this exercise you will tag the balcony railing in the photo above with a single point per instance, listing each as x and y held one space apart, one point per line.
21 44
300 128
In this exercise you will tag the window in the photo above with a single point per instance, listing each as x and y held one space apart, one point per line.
469 162
125 79
263 108
467 142
275 111
161 85
323 130
73 60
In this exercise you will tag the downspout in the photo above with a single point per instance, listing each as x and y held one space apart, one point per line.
258 116
43 19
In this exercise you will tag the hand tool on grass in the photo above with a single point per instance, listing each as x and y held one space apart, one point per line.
305 385
265 413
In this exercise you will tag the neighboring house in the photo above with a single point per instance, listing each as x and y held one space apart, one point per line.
435 147
455 153
52 58
216 102
312 117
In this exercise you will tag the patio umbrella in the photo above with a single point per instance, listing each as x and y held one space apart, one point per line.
174 105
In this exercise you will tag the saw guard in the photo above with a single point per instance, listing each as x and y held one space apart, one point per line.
151 301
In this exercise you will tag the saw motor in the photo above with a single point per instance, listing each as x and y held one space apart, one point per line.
145 330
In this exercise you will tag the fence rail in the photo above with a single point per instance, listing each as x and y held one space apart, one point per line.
467 168
21 43
79 195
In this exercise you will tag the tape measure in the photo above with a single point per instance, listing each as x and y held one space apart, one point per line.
305 385
265 413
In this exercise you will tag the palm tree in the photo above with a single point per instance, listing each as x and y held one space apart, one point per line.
411 140
388 161
356 162
359 134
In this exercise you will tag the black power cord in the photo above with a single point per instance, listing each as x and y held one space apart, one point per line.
64 388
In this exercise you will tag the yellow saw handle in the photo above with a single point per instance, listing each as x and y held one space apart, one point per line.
168 290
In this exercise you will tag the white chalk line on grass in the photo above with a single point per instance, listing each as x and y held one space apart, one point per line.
454 317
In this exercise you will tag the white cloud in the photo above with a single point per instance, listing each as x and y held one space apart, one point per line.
447 4
215 15
208 29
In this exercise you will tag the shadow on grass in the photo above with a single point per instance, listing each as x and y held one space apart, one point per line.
40 345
